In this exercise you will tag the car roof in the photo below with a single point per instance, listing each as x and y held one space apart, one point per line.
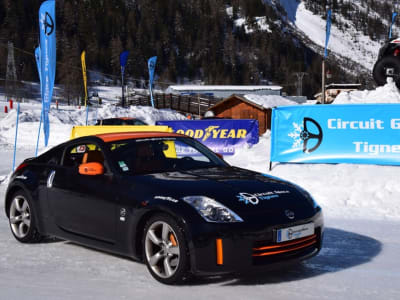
120 118
112 137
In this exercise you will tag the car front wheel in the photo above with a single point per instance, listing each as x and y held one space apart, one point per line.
22 220
388 66
165 250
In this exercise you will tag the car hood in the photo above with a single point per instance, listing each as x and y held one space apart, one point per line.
249 194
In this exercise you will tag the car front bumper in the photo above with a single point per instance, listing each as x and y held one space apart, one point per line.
236 248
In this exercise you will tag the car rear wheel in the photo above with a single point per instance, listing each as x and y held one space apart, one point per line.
22 220
388 66
165 250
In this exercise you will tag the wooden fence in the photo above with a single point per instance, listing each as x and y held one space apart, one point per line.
195 105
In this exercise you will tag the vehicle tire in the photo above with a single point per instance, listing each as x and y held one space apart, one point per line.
165 250
379 71
22 219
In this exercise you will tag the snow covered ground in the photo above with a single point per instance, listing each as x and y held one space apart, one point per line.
359 260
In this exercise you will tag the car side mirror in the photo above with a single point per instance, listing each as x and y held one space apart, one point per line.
91 169
219 155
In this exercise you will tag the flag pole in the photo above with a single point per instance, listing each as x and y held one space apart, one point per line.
328 33
16 135
323 100
38 138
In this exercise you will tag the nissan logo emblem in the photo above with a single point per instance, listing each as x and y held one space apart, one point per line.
289 214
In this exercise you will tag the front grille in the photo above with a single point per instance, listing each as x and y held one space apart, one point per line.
285 247
268 252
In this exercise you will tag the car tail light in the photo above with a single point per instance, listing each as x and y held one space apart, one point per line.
21 166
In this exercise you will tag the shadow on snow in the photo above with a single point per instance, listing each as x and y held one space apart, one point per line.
340 250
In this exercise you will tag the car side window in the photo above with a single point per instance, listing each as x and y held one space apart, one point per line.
51 157
82 153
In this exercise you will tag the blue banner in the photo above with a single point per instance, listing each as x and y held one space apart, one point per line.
221 136
37 58
328 31
123 59
394 15
151 63
362 134
47 27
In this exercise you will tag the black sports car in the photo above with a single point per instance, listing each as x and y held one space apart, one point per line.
163 198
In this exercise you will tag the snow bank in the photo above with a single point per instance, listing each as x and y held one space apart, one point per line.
343 190
388 93
270 100
63 119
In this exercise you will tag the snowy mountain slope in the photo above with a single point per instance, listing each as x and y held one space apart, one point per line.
350 47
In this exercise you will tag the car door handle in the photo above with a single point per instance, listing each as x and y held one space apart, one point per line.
50 179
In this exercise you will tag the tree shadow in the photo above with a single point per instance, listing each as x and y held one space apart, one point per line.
341 250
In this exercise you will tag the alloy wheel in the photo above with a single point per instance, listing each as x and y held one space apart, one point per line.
20 216
162 249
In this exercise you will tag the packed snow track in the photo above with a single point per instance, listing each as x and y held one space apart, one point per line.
359 260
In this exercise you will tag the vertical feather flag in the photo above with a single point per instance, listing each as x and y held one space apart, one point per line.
152 65
47 27
394 15
123 59
83 60
37 58
328 31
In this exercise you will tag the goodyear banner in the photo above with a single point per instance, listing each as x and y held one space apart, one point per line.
47 27
362 134
221 136
83 61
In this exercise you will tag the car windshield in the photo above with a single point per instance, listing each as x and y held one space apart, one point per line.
118 121
157 155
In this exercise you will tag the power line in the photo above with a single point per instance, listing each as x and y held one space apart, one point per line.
89 70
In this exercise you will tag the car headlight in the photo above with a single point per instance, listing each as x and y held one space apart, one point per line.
211 210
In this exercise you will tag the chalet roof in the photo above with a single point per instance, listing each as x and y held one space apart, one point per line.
261 102
224 87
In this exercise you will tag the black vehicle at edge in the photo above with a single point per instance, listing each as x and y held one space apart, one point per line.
191 215
388 63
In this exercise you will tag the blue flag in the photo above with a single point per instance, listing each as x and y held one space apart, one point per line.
37 58
123 59
152 65
328 31
394 15
47 28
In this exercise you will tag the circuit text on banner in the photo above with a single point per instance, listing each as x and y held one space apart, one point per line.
335 134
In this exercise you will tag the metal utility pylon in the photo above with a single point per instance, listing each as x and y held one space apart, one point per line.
300 76
11 75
